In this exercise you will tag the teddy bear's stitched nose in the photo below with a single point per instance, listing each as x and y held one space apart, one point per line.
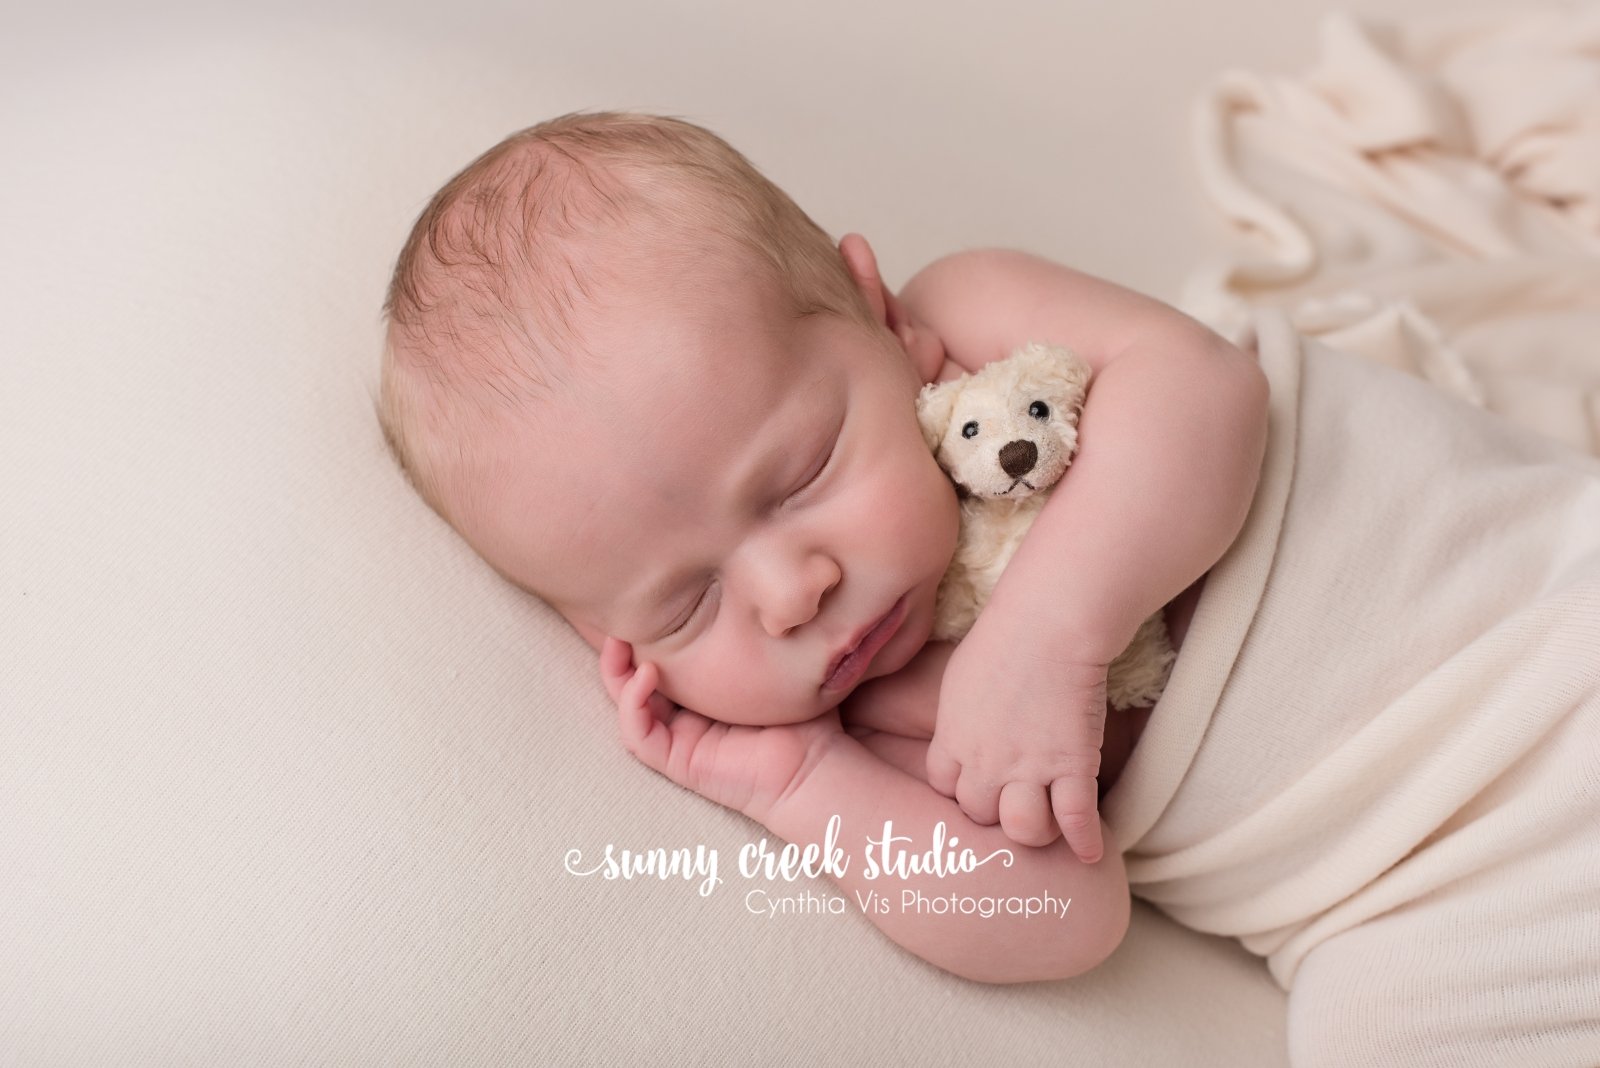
1018 457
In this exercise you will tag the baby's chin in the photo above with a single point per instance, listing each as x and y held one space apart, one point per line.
799 708
784 717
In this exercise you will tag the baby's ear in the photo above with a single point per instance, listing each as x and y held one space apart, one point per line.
1055 371
935 404
863 267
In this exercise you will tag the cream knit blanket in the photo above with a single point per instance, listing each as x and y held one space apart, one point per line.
1407 624
1389 698
1428 196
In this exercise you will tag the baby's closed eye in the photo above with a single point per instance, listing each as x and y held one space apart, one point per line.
816 475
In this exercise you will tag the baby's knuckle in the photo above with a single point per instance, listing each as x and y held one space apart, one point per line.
1077 821
1075 763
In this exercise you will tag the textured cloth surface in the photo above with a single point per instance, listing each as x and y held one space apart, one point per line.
1428 195
1394 800
1375 762
287 775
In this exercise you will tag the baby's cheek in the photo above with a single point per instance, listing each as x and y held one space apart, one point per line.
939 513
705 679
673 679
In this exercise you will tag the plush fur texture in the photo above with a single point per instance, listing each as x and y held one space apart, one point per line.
1005 436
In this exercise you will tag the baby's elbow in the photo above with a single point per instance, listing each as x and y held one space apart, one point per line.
1249 380
1039 966
1254 402
1239 399
1258 388
1037 971
1081 950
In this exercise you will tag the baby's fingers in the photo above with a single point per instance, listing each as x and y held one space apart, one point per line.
643 730
663 736
944 770
1075 800
1025 814
615 658
979 796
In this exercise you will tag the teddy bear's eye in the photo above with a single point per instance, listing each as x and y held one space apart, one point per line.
1039 410
970 430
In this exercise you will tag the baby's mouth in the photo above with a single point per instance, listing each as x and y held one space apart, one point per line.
853 663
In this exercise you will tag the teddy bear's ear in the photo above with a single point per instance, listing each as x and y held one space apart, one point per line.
1056 371
935 404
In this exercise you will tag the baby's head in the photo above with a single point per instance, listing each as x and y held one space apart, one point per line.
643 385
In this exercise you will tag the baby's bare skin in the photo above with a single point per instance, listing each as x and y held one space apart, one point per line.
1178 399
894 715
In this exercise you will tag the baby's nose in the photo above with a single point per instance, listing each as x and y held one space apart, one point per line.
1018 457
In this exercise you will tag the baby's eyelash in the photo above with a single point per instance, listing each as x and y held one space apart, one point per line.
826 460
688 618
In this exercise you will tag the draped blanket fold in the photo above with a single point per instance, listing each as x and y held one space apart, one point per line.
1377 762
1392 679
1428 197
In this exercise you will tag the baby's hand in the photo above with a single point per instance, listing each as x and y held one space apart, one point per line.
1018 739
747 769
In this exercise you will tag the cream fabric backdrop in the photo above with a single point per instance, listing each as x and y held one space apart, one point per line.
286 774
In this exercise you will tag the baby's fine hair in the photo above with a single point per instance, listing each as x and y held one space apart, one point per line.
483 308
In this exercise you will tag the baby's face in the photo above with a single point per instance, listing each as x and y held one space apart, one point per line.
738 497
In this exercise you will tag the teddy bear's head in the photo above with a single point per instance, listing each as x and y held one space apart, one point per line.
1010 429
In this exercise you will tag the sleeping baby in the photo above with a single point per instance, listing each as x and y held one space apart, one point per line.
644 386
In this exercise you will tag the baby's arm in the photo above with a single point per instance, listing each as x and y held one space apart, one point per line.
864 790
1169 451
794 779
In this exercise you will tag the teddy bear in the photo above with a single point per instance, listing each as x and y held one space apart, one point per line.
1005 436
